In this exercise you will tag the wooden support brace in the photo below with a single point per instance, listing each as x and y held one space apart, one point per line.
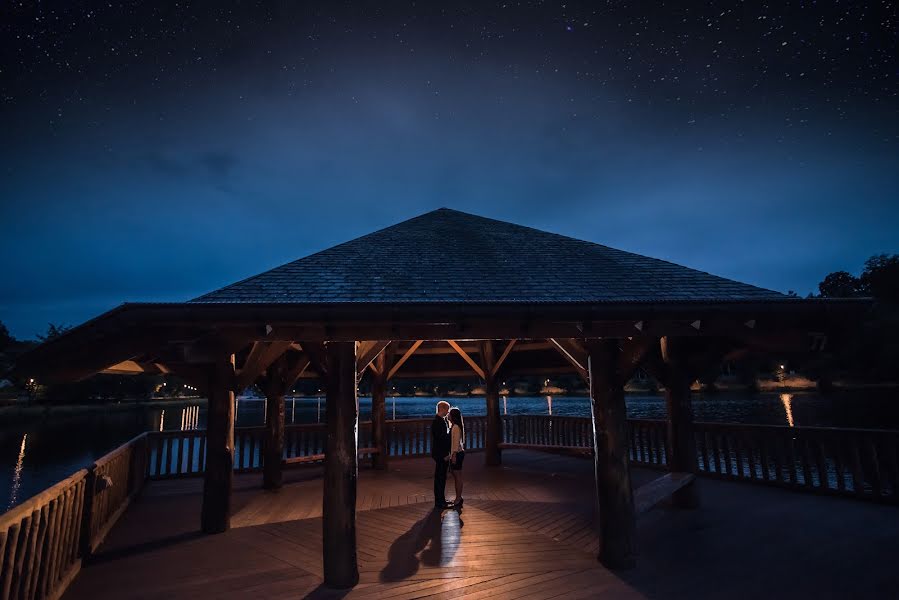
468 359
403 359
574 354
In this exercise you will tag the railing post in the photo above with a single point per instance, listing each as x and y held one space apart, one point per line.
87 515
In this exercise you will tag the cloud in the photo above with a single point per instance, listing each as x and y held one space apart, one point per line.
214 164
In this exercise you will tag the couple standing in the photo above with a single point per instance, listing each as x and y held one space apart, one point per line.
448 452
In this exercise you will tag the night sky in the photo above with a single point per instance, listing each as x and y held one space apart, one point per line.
155 152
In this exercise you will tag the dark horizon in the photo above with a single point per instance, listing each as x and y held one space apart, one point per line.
157 153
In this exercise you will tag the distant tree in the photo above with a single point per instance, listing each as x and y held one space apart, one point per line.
53 331
5 338
840 284
880 278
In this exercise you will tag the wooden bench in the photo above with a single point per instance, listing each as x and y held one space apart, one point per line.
314 458
650 494
578 451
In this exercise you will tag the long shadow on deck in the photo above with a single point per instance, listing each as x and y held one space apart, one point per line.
436 537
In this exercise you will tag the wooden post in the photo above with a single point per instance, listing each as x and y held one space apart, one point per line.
494 433
216 515
272 477
494 425
681 441
339 502
379 412
617 519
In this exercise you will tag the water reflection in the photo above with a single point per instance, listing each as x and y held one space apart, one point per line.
505 405
787 400
549 405
190 418
161 419
17 475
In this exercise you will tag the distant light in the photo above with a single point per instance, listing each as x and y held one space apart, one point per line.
782 367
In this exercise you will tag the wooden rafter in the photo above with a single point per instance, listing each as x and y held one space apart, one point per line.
465 356
574 354
315 352
633 355
368 352
261 356
404 358
502 357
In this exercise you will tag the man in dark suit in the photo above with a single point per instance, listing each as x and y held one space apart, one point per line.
440 449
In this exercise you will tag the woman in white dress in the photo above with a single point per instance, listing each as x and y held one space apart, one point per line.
457 452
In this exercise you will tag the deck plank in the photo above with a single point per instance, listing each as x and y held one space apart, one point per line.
527 531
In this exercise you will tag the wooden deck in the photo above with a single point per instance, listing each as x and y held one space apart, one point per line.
526 531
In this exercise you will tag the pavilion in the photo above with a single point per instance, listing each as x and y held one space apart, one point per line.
445 294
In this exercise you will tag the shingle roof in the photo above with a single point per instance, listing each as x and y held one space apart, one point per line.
447 256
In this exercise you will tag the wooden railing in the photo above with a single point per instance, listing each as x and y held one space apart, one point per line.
43 540
853 462
862 463
113 481
182 453
537 430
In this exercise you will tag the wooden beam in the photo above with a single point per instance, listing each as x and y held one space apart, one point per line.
435 350
297 365
341 569
494 432
573 354
261 355
502 357
368 351
315 352
379 410
403 359
460 374
273 448
219 474
475 366
678 399
614 494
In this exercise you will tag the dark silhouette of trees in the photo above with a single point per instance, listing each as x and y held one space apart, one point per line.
53 331
880 279
841 284
869 351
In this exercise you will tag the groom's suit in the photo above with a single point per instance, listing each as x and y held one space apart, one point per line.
440 448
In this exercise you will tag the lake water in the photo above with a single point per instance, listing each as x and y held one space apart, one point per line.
36 454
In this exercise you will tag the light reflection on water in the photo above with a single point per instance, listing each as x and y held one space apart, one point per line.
17 475
787 400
